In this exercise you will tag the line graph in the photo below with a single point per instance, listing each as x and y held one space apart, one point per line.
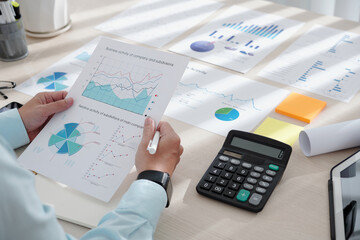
123 85
250 102
123 138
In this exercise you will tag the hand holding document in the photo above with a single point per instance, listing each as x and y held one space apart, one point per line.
91 147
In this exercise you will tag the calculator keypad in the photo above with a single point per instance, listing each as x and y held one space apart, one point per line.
240 182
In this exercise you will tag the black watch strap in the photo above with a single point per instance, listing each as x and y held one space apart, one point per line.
161 178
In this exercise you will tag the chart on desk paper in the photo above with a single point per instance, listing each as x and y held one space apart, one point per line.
238 39
123 85
62 74
219 101
324 60
91 146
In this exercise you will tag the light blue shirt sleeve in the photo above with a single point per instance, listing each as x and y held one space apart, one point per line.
12 128
23 216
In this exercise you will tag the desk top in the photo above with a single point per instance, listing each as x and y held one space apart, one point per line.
297 209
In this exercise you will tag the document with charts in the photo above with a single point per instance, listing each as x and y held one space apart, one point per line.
157 22
91 146
62 74
324 60
219 101
238 39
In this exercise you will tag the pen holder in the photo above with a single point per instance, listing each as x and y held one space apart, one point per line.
12 41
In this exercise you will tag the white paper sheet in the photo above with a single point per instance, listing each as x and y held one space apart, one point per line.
91 147
219 101
324 61
330 138
157 22
238 39
61 75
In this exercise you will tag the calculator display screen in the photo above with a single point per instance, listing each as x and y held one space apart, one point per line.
257 147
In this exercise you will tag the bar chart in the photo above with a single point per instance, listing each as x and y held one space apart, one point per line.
266 31
324 61
238 38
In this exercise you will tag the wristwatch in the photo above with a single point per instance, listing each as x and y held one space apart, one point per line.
161 178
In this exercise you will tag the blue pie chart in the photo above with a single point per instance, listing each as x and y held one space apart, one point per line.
227 114
202 46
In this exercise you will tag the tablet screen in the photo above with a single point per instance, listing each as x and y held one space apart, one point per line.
350 190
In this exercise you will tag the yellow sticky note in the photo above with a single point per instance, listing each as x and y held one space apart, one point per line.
282 131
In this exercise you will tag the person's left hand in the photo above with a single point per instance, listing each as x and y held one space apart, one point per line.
39 110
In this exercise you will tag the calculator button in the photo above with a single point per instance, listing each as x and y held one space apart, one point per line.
243 172
210 178
239 179
255 199
260 190
235 161
215 171
258 169
224 158
270 173
255 174
234 186
243 195
274 167
226 175
263 184
246 165
251 180
217 189
231 168
267 178
229 193
220 165
248 186
205 185
222 182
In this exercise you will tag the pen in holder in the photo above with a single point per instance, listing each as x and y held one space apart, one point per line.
12 41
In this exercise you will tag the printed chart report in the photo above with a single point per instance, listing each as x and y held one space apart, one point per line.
91 147
238 39
218 101
324 60
61 75
157 22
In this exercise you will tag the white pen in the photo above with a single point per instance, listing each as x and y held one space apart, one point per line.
153 144
4 12
10 10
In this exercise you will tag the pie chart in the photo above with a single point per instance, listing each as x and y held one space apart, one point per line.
202 46
65 139
54 82
227 114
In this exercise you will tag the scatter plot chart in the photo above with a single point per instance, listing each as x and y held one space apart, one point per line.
123 138
114 159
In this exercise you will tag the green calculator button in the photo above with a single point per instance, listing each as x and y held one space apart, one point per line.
274 167
243 195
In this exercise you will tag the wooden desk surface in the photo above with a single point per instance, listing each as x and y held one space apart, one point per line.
298 208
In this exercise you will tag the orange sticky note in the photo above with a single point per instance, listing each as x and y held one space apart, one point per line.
300 107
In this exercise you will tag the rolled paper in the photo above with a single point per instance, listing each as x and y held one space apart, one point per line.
330 138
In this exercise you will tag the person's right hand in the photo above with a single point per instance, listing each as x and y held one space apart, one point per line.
168 152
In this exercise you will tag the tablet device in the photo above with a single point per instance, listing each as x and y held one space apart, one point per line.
344 199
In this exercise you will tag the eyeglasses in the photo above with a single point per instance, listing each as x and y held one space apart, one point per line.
7 85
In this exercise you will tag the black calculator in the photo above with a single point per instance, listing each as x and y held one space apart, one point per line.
246 170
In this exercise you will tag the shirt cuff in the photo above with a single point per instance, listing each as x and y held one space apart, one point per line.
12 128
146 198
